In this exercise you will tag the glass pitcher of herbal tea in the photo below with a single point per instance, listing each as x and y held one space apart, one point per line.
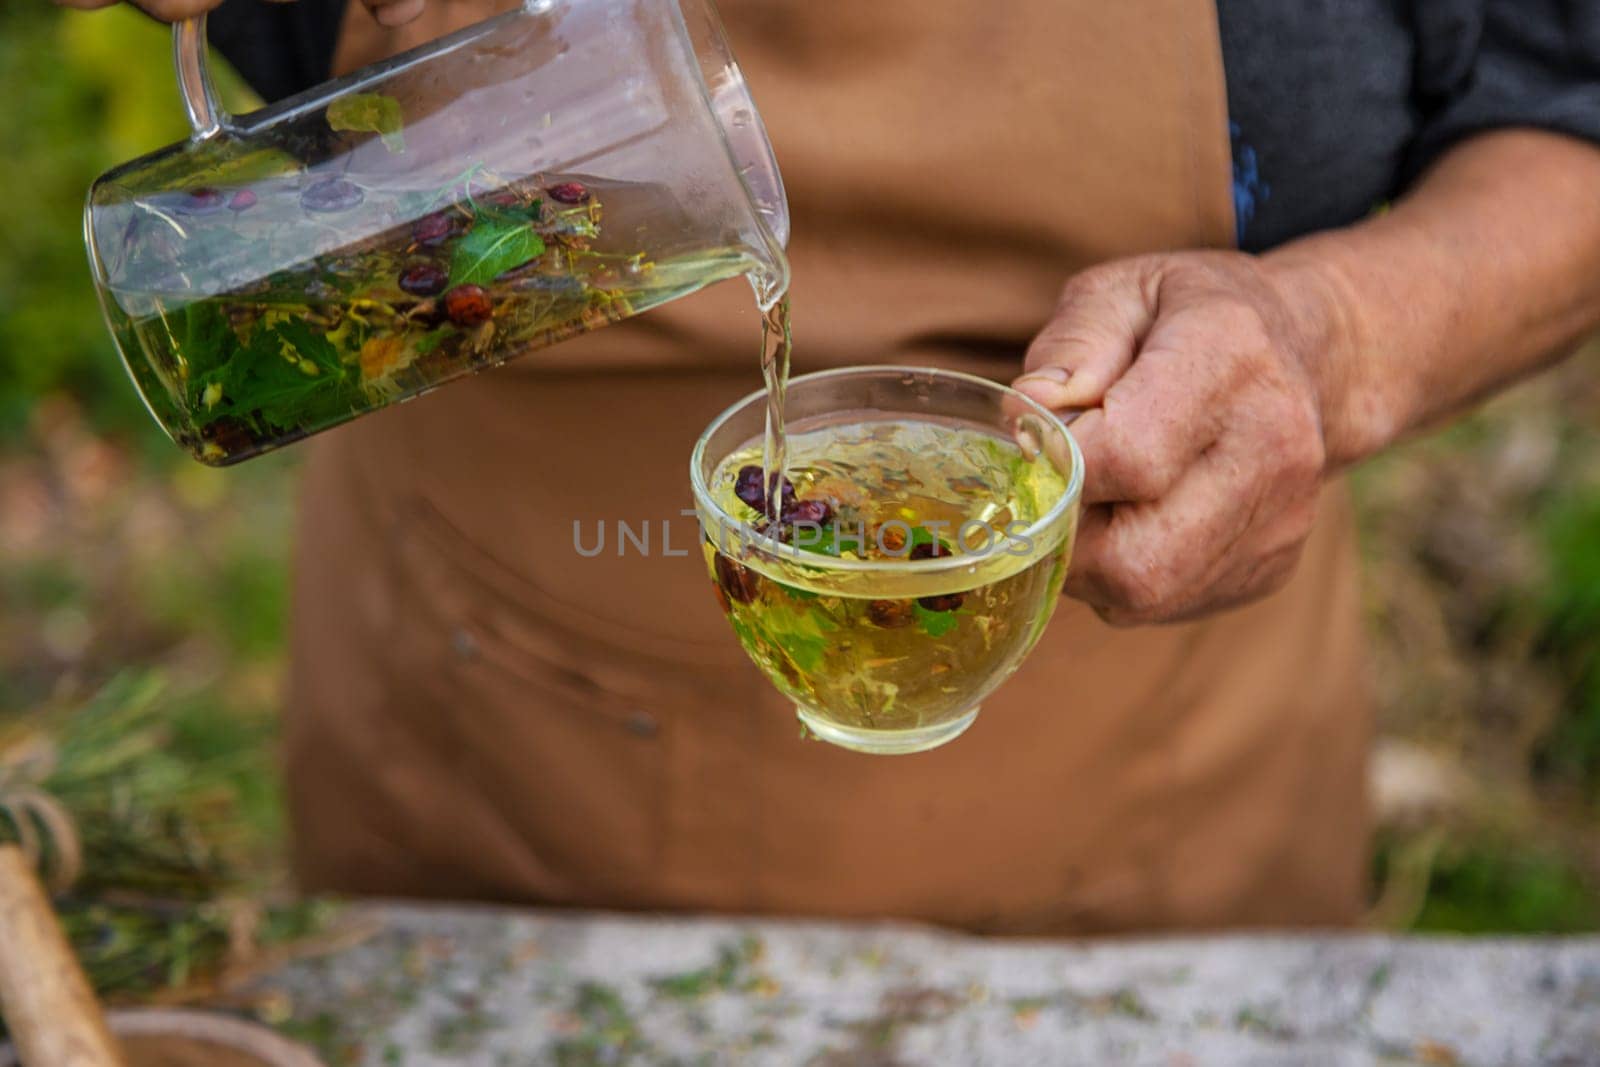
535 176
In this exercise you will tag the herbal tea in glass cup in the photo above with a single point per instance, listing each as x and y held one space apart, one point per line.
908 558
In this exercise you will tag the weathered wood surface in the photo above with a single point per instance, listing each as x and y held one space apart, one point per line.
466 986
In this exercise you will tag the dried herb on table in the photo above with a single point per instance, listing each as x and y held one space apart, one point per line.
157 807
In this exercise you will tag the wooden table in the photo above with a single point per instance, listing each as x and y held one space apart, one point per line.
436 986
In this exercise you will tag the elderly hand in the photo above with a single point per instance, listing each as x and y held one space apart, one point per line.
387 12
1203 443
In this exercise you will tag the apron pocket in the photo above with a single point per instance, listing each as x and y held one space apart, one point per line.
538 748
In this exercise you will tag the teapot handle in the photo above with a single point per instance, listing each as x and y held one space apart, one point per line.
206 115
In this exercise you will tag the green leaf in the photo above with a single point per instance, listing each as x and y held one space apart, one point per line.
369 113
308 344
492 247
806 651
934 623
745 634
206 329
823 541
1025 486
287 376
270 382
800 631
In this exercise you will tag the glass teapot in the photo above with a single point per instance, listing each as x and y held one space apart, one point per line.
532 177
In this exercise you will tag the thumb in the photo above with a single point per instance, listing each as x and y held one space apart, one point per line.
1090 340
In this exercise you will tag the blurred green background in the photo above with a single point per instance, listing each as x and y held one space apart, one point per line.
141 638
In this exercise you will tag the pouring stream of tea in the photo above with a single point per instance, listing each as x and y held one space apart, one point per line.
777 343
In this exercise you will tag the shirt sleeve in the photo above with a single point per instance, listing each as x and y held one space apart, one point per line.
278 48
1486 64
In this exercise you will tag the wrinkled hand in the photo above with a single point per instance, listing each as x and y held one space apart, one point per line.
1203 446
387 12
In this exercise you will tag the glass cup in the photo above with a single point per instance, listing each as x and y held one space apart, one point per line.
886 647
537 175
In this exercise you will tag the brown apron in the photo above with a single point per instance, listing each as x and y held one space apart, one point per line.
478 710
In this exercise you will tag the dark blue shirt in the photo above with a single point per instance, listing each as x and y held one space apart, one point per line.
1337 105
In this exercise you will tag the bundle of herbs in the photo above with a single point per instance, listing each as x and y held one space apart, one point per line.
143 815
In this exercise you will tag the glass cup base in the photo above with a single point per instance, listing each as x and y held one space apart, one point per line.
886 742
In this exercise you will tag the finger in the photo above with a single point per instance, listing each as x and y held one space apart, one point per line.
1265 577
1091 337
394 13
1262 577
175 10
1191 555
1083 581
1153 424
1156 562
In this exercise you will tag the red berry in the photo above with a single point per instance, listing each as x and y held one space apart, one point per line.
942 602
738 581
569 193
747 487
243 200
468 305
423 279
890 614
812 511
202 201
431 229
229 434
